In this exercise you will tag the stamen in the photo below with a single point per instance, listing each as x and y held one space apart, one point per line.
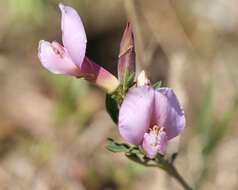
155 141
155 129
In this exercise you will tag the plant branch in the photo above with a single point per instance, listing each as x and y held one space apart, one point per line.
172 171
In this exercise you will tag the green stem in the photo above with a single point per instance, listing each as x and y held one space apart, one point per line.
161 163
171 170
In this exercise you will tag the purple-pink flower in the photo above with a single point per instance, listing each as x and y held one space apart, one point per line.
70 58
150 117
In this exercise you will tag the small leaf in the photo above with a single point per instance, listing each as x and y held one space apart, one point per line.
135 158
112 107
117 147
128 81
136 155
157 85
135 150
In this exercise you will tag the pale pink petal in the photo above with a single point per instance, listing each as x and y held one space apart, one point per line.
168 112
98 75
149 146
55 58
74 37
162 141
135 114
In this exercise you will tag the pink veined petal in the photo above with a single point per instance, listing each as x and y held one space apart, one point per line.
168 112
135 114
98 75
74 37
55 58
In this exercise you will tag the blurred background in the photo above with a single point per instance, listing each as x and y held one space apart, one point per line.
53 129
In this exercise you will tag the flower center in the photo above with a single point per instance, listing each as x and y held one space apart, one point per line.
155 141
154 130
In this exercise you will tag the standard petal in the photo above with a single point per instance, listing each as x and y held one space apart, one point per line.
54 58
74 37
135 114
168 112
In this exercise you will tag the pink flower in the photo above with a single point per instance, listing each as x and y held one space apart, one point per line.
150 118
70 59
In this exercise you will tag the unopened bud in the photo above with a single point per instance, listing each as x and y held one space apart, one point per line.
127 57
142 79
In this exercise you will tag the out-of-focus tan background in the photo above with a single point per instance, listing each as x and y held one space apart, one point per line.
53 129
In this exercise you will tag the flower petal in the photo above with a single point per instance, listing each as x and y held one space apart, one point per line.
74 37
98 75
155 143
135 114
162 142
55 58
168 112
148 145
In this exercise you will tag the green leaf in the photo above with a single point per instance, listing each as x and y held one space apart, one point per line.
128 81
117 147
112 107
157 85
135 157
135 150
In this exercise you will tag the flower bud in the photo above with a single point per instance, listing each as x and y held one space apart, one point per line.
142 79
126 58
